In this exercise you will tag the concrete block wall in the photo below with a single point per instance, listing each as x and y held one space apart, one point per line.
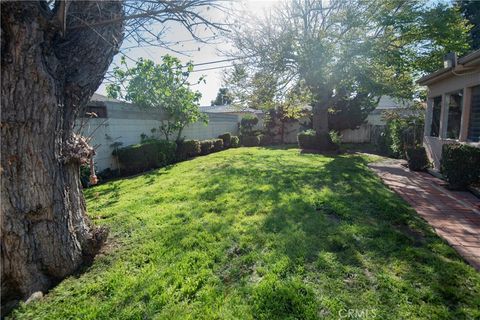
125 123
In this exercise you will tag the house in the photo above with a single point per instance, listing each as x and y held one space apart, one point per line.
119 122
453 105
230 109
375 123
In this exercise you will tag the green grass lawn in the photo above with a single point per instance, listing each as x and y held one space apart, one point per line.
256 233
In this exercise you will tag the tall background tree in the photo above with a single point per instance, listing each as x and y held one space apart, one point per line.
471 11
223 97
54 55
349 52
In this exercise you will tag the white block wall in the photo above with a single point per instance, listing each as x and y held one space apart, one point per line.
125 123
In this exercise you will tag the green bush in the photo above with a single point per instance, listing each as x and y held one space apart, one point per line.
247 123
234 142
417 158
217 145
140 157
187 149
226 137
250 141
85 175
265 139
402 131
336 137
309 140
460 164
206 146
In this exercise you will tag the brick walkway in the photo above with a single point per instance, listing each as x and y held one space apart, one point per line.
454 215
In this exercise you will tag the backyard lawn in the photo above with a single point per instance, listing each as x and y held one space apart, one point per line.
256 233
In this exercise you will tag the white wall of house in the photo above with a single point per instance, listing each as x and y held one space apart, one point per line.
444 88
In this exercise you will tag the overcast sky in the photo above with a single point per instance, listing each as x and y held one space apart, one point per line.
194 51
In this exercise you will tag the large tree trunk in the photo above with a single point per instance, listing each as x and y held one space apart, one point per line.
46 78
320 118
320 125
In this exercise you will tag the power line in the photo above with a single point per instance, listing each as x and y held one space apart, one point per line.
215 61
220 67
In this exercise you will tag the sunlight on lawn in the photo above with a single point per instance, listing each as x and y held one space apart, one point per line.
262 233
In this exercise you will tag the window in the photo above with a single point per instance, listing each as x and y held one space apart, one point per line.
454 115
474 128
95 112
437 109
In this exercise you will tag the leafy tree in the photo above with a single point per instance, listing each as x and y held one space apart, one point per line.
348 52
54 55
223 97
404 129
471 11
161 86
236 83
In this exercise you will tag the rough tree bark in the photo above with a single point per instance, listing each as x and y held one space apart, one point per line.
47 75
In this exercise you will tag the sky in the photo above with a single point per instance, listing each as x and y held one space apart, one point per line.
194 51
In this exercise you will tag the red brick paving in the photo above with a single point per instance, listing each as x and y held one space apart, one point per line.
454 215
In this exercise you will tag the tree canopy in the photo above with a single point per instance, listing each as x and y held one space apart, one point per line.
349 52
160 86
223 97
471 11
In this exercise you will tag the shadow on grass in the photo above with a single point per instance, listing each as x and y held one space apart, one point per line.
264 233
340 210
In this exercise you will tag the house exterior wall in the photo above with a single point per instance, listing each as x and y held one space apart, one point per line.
443 88
125 123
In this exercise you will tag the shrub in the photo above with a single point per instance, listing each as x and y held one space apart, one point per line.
85 175
108 173
187 149
265 139
234 142
460 164
250 141
141 157
217 145
309 140
247 123
206 146
336 137
226 137
417 158
403 130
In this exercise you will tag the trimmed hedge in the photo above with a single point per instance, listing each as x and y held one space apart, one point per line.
250 141
226 137
460 164
188 149
217 145
234 142
309 140
206 146
417 158
140 157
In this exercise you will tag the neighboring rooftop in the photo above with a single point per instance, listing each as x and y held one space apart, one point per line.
228 108
467 63
101 98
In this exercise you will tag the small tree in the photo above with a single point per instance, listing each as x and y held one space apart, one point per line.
247 123
404 129
223 97
161 86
